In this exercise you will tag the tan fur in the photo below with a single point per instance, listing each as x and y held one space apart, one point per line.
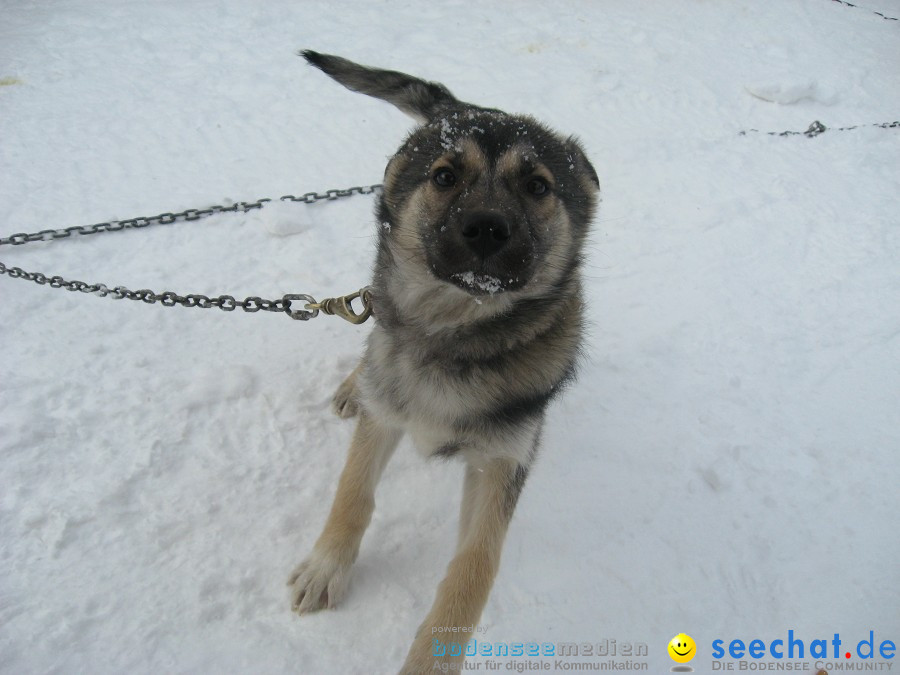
321 580
436 304
392 171
344 402
466 154
515 158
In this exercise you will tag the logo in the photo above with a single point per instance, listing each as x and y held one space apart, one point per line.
682 649
523 657
794 653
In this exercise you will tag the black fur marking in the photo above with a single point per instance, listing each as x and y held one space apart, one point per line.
493 342
313 58
447 451
524 408
513 488
508 415
425 100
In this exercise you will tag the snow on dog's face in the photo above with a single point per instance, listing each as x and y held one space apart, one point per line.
488 202
475 200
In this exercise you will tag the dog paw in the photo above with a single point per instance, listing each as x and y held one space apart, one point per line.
319 582
343 403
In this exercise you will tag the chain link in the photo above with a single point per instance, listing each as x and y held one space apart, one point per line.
883 16
226 303
817 128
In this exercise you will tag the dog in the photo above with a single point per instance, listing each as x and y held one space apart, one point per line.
479 319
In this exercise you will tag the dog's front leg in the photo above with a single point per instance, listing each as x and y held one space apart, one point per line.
489 498
321 580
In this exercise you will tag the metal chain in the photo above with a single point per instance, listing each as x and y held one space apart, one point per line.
817 128
850 4
226 303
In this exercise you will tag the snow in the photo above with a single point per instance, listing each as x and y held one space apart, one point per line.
483 282
726 465
786 92
283 218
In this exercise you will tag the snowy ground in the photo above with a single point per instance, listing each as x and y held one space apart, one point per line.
727 464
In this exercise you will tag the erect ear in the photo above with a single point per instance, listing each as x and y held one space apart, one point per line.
420 99
578 157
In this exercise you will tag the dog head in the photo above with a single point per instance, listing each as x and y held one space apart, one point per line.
476 202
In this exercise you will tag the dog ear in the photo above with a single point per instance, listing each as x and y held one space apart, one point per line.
578 157
422 100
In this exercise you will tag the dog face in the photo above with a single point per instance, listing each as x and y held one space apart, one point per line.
488 202
475 199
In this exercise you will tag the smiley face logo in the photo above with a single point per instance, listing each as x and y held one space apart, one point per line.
682 648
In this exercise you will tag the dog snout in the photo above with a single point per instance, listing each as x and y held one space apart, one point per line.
486 232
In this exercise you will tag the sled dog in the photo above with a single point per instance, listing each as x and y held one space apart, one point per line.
478 325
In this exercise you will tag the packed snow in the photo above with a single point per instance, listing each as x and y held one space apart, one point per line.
726 465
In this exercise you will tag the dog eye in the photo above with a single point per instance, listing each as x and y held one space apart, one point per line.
444 178
537 186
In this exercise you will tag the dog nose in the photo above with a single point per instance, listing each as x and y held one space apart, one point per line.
486 232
